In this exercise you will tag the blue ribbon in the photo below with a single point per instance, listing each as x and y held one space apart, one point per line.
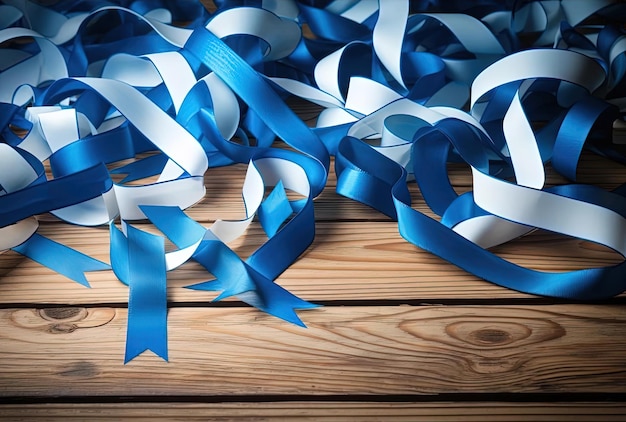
251 281
139 261
259 95
431 235
428 53
66 261
54 194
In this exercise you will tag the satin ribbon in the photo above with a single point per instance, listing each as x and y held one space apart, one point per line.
289 225
138 260
423 83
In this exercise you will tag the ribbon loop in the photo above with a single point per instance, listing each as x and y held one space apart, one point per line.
127 107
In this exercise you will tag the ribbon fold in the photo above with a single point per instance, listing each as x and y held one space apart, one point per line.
129 103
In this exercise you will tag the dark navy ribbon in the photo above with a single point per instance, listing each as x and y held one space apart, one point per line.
54 194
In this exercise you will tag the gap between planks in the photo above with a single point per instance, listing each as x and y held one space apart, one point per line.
354 256
321 411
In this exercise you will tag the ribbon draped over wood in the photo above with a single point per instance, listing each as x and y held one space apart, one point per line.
161 91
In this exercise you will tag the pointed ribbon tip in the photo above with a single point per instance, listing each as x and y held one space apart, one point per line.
60 258
143 266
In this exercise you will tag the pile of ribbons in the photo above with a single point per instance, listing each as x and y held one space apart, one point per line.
406 87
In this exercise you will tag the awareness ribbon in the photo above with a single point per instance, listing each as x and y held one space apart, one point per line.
99 89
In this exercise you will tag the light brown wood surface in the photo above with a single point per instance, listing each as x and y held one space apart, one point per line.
348 261
398 323
352 255
402 336
383 350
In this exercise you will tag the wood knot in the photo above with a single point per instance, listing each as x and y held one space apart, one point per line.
482 333
487 344
62 320
490 336
61 328
63 314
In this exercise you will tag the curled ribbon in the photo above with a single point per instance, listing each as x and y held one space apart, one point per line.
404 87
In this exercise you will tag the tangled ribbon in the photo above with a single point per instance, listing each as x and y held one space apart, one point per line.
159 91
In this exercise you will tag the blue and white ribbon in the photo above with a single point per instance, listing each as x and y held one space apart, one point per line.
99 89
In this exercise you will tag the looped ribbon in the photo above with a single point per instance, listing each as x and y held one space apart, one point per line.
129 111
497 210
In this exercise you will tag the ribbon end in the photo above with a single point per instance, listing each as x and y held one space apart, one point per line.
60 258
92 265
221 296
285 310
130 355
290 316
82 280
226 294
297 321
275 210
210 286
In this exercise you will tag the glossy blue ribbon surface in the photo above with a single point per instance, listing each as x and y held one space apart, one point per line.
128 104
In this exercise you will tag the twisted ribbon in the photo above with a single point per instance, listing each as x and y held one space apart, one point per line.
97 89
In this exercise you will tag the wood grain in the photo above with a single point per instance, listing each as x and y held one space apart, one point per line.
347 261
357 254
321 411
346 350
223 196
75 353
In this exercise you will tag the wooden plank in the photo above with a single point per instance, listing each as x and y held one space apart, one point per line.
321 411
223 196
347 261
346 350
356 255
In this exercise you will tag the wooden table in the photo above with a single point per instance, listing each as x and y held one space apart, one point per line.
402 334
